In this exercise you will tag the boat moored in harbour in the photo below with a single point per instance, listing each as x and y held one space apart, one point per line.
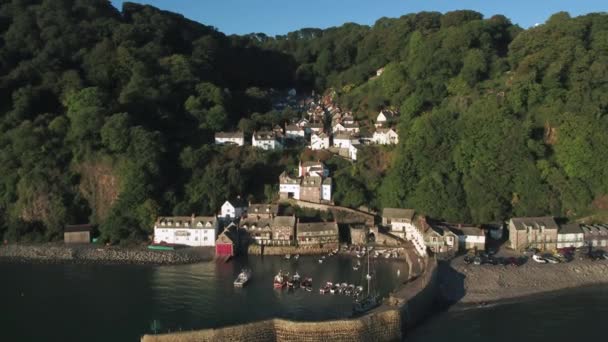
242 278
279 280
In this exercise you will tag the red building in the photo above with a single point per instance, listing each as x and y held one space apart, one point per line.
224 246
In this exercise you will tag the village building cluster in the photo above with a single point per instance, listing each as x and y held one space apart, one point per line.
323 126
265 225
312 184
258 224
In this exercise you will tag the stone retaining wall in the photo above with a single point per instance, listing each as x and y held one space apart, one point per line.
341 214
60 253
386 323
282 250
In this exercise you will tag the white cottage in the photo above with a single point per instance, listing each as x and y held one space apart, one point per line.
265 140
385 136
294 132
399 221
353 150
233 209
230 138
345 140
385 118
570 235
319 141
183 230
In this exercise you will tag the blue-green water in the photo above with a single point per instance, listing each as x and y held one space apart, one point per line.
118 303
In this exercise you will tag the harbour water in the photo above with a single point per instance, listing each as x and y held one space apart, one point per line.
119 303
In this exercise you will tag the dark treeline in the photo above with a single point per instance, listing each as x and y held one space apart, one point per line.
107 116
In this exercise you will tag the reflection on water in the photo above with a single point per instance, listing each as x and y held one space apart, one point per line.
207 293
119 303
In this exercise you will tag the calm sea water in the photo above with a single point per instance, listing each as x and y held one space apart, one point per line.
119 303
572 315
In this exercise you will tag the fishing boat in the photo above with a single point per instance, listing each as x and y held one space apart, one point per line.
358 291
320 261
306 284
326 288
350 290
371 299
342 288
334 289
296 257
294 282
242 278
287 256
279 280
357 265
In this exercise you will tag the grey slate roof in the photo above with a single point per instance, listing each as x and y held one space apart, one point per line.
395 213
521 223
571 228
230 135
263 209
315 227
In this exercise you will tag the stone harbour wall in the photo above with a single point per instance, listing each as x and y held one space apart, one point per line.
379 326
92 254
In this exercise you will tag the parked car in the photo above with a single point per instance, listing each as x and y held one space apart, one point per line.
477 260
539 259
597 255
531 250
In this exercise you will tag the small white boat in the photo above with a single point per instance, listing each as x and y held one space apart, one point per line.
287 256
242 278
296 257
320 261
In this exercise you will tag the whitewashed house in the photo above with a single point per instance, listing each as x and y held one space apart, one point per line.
351 128
338 127
385 118
294 132
230 138
289 187
352 152
311 185
316 127
319 141
385 136
312 168
233 209
570 235
326 189
470 237
265 140
348 119
400 222
303 123
345 140
183 230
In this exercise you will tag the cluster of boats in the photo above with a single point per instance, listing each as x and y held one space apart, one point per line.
295 257
360 252
342 289
330 254
284 280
